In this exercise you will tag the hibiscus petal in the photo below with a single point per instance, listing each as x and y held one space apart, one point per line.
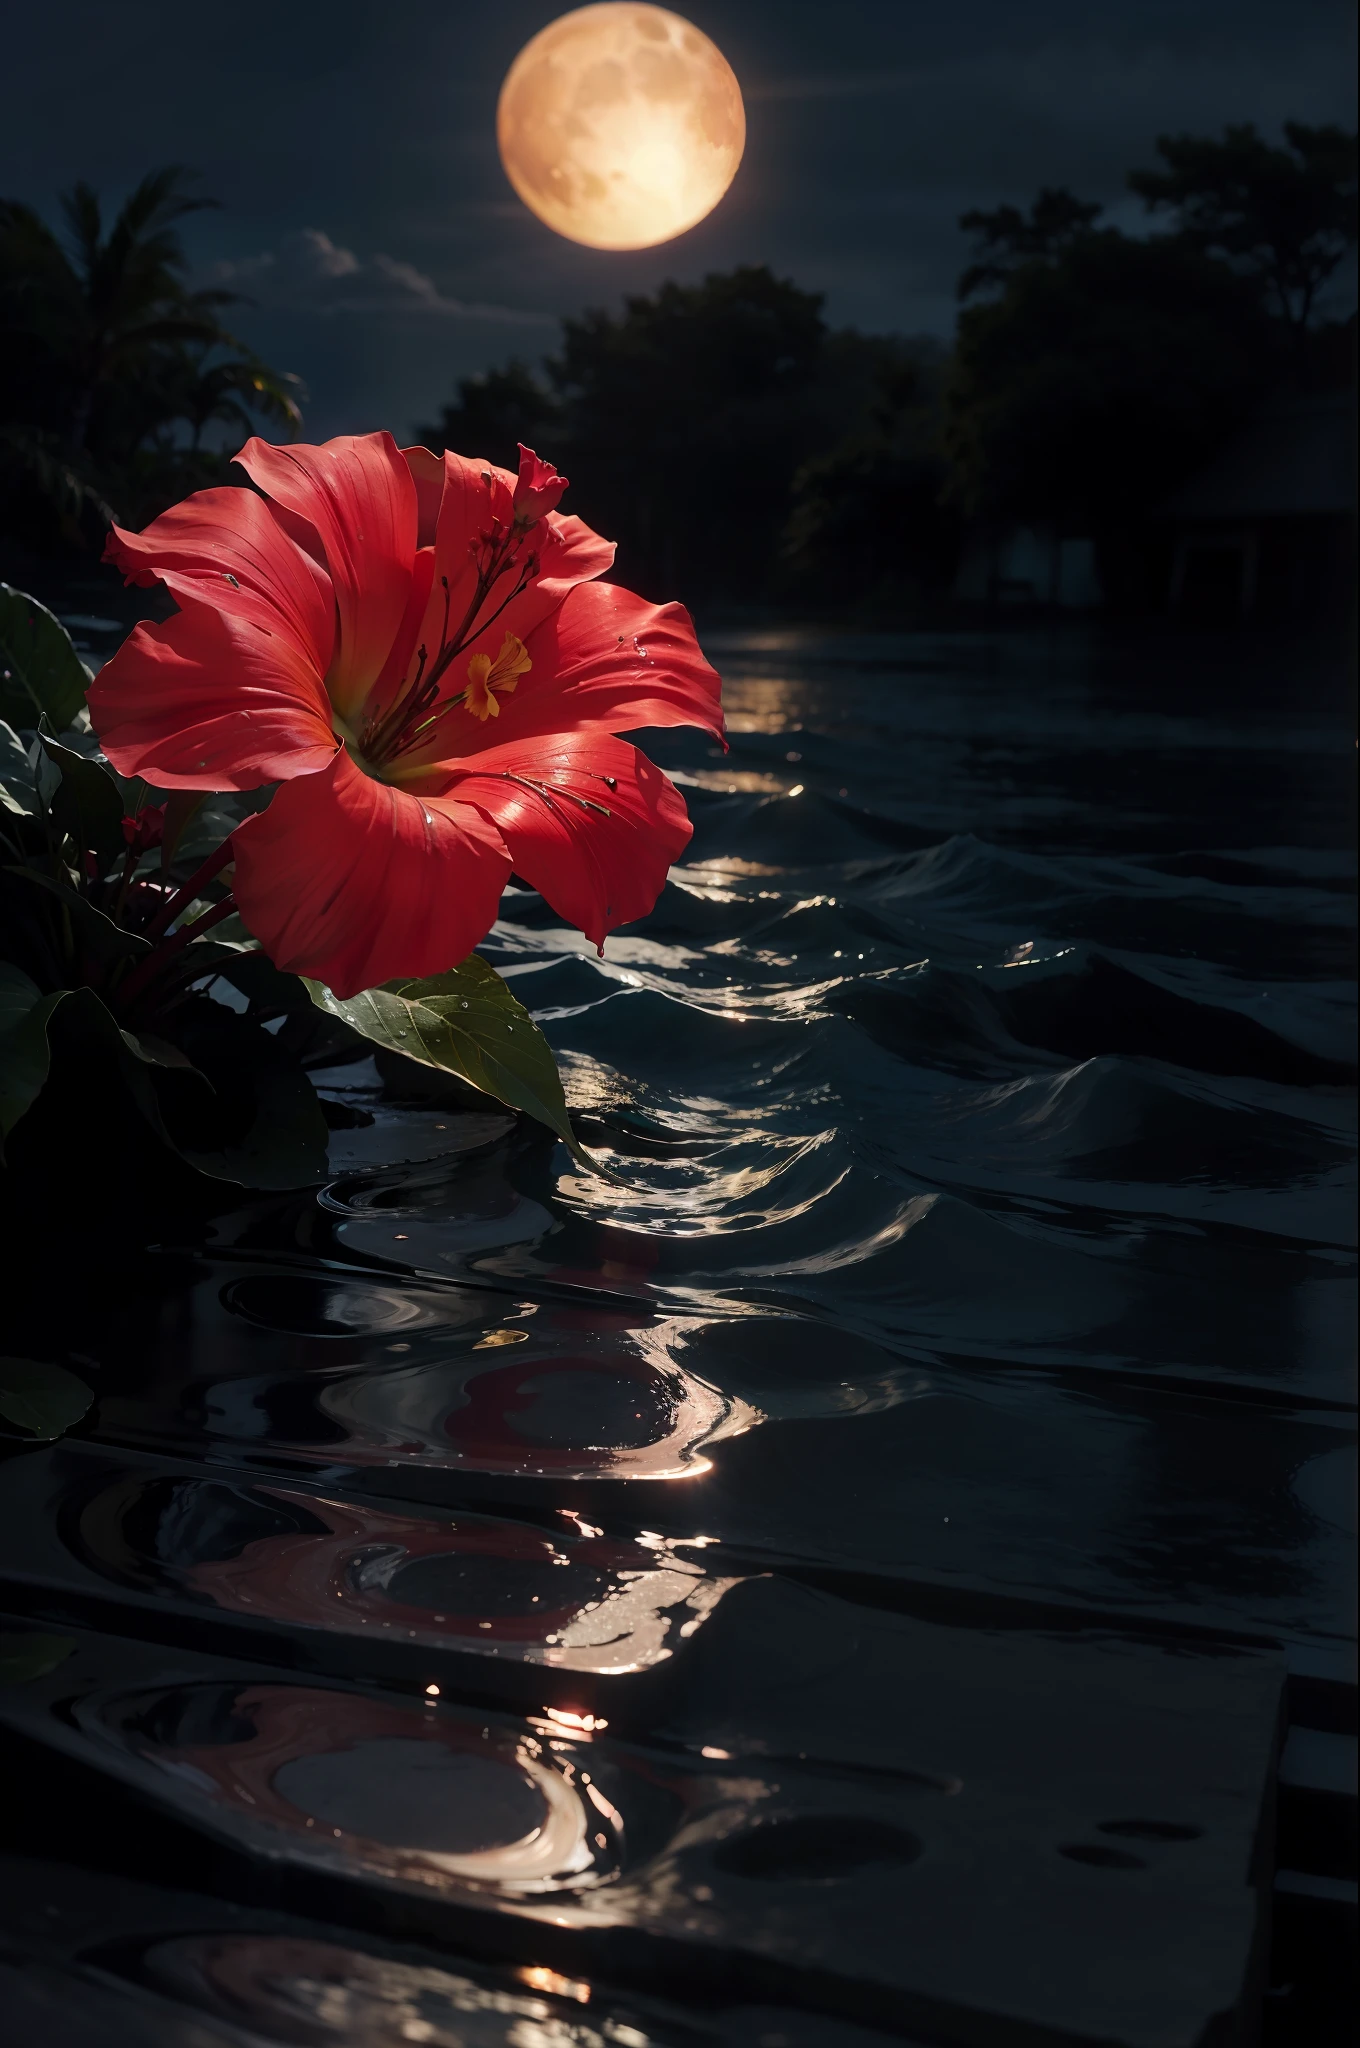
203 701
225 548
605 661
590 823
354 882
357 497
427 474
402 650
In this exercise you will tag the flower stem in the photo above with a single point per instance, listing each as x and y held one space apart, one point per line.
130 862
150 965
195 886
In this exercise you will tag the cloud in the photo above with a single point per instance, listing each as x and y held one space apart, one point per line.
318 254
245 270
309 272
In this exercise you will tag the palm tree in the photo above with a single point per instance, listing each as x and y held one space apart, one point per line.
129 294
108 358
226 391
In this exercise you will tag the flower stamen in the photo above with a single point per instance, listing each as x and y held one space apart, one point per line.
486 678
541 789
405 724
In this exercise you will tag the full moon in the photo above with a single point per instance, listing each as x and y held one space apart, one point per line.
620 125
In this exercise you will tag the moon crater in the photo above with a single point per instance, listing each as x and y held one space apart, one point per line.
620 125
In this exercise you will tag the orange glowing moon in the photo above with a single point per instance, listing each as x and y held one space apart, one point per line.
620 125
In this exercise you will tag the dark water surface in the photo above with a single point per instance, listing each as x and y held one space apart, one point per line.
836 1582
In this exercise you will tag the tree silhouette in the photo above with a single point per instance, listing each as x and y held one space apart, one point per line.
738 449
869 526
686 417
128 297
108 358
1106 366
493 413
682 420
1098 379
1006 237
1287 216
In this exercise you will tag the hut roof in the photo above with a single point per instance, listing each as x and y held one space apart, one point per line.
1294 459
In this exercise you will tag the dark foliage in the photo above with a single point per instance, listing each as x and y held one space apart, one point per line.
496 412
741 451
1106 367
869 525
738 449
1005 238
1099 378
1286 217
686 419
112 368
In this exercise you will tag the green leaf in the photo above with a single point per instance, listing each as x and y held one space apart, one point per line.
285 1143
18 788
311 1036
97 939
268 989
18 994
31 1656
236 1072
88 805
158 1052
25 1058
465 1022
24 1054
232 1069
46 1400
197 820
40 671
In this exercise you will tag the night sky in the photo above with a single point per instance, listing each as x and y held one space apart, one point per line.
365 211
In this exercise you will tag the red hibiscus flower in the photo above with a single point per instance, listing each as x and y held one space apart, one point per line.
415 650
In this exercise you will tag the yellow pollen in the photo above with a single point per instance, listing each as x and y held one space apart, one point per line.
486 677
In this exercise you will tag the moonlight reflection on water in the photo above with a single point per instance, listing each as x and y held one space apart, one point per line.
881 1510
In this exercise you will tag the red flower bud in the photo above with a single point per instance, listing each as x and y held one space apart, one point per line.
538 488
146 830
